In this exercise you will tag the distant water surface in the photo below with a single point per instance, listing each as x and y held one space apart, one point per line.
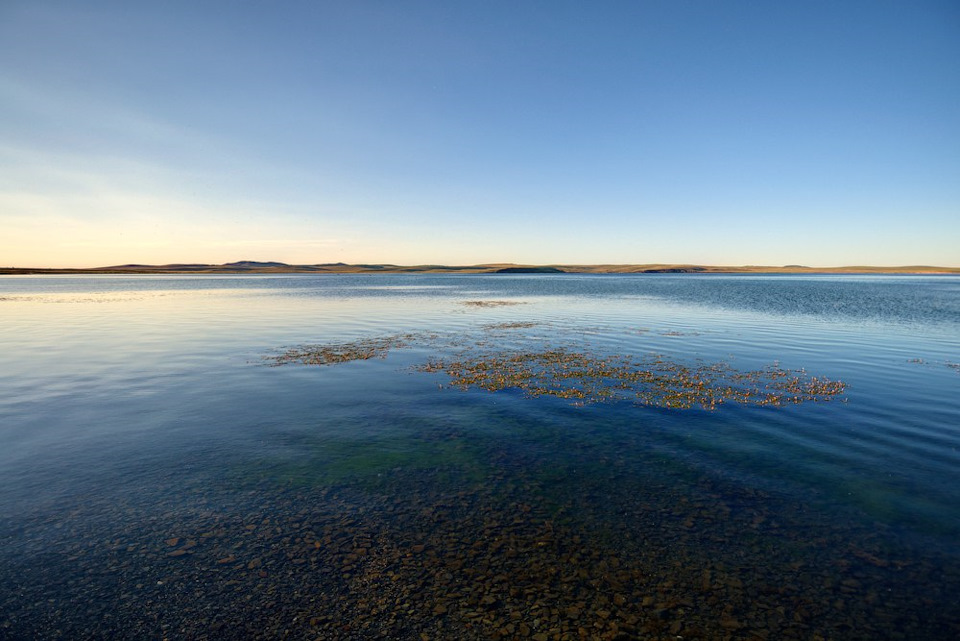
159 479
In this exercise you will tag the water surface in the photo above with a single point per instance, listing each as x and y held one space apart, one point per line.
159 480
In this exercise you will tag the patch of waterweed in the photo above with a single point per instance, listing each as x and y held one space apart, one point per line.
583 377
653 381
335 353
950 364
511 325
491 303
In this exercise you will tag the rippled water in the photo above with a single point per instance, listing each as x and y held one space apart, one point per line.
159 480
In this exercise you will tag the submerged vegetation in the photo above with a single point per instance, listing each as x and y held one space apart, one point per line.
371 463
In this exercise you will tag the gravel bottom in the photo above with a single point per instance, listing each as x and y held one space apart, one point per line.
420 556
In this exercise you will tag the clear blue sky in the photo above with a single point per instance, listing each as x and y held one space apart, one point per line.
720 132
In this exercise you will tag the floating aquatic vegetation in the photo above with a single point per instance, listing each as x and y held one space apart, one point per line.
653 381
91 297
491 303
583 377
511 325
334 353
919 361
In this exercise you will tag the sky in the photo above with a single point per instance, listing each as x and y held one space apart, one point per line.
542 132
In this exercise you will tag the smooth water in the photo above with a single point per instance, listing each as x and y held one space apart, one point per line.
159 479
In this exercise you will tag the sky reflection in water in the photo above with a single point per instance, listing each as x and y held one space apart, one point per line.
153 394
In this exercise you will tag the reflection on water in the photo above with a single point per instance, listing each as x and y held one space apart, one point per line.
157 480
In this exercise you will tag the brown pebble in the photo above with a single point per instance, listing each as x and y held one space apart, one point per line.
173 541
730 624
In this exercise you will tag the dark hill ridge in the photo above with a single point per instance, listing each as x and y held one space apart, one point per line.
530 270
274 267
675 270
253 264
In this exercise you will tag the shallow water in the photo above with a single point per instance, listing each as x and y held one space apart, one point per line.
158 479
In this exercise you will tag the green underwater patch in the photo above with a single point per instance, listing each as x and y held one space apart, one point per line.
372 462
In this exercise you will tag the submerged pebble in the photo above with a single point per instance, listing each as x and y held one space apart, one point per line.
444 561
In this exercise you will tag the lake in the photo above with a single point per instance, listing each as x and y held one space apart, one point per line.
480 457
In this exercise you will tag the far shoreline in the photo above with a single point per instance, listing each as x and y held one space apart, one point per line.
256 267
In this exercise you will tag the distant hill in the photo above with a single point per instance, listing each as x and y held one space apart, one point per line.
272 267
253 264
529 270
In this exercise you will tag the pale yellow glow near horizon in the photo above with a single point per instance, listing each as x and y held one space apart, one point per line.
150 231
103 227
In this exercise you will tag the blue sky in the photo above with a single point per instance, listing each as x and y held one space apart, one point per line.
819 133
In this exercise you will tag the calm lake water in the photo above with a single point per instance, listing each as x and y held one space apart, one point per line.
160 478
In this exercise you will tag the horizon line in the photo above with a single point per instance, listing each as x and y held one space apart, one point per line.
251 266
